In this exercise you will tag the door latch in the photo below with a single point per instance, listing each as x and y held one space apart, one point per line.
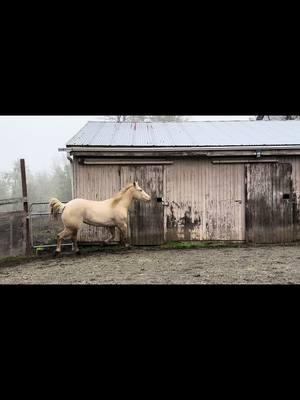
163 203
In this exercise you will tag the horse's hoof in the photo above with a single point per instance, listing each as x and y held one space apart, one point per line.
57 253
78 253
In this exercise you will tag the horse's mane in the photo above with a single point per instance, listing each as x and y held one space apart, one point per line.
118 197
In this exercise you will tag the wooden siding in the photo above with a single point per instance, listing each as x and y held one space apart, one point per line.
146 220
100 182
94 182
203 201
295 162
206 201
269 206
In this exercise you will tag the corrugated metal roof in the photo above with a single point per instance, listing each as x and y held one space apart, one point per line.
188 134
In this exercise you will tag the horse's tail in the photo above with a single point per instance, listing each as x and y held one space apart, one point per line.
56 207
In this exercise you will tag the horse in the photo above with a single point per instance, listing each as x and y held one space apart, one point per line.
111 213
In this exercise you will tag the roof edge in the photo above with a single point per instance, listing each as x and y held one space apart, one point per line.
181 148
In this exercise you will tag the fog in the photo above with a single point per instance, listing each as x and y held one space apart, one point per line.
37 138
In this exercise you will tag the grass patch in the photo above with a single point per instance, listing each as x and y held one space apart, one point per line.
102 249
200 245
14 261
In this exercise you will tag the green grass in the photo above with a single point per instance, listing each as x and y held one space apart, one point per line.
14 261
94 249
200 245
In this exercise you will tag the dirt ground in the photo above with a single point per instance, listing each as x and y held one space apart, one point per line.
261 265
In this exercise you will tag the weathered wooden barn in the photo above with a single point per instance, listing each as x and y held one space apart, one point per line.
235 181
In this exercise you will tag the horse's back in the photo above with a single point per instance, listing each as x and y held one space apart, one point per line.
78 211
74 212
81 203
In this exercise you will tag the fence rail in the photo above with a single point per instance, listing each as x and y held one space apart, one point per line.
15 200
12 224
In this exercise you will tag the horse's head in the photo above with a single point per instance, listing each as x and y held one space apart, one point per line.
139 193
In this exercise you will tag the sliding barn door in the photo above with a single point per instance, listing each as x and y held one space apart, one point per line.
269 207
146 220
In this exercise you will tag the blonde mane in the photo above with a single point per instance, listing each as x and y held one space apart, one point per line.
118 197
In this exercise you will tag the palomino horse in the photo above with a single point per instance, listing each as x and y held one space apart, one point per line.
110 213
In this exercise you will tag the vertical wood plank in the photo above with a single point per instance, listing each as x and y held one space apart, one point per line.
146 219
269 214
209 195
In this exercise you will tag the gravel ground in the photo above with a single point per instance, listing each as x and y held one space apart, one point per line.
261 265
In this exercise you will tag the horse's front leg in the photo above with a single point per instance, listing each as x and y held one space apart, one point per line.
124 234
65 234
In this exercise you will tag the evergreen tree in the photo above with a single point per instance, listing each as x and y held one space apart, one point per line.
61 183
40 186
4 187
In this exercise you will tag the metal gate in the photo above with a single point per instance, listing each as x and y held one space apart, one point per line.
43 227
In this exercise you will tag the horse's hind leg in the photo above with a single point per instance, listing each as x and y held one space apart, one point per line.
75 243
124 234
112 231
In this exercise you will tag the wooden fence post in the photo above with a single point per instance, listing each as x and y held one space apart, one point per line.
25 206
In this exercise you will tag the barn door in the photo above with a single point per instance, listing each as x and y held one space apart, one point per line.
146 220
269 206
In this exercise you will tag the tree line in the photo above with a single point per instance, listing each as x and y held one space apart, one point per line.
58 183
277 117
41 186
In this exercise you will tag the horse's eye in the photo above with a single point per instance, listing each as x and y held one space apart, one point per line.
141 190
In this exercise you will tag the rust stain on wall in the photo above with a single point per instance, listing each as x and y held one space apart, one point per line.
207 202
182 228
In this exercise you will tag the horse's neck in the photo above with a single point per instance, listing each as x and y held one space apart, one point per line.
127 199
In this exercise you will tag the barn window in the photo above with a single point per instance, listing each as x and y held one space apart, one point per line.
286 196
159 199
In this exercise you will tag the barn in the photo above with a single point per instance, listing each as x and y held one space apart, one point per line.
209 181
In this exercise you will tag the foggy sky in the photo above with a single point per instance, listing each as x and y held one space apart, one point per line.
37 138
